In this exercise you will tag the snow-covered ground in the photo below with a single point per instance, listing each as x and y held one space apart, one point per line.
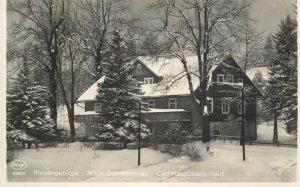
222 163
265 132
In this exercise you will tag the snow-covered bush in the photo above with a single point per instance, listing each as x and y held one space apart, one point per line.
13 150
175 137
192 150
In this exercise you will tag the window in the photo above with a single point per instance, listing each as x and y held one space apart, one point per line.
210 106
216 132
225 105
151 103
172 103
220 78
240 80
89 106
148 80
229 78
240 108
97 107
139 66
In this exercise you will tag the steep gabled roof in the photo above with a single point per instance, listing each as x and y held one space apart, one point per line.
168 66
91 92
231 63
174 79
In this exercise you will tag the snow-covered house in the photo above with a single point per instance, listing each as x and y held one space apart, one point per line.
226 79
167 95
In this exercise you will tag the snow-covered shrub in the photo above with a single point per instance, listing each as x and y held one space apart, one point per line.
175 137
80 130
13 150
192 150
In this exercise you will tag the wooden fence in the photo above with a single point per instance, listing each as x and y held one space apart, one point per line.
270 143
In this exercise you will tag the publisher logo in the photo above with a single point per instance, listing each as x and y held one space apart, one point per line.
18 165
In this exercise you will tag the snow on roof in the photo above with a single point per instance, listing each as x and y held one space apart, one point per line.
155 110
168 66
170 69
213 67
91 92
263 70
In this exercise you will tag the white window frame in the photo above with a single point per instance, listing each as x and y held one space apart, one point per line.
172 101
211 104
240 108
148 80
152 105
139 66
232 78
218 79
97 107
225 100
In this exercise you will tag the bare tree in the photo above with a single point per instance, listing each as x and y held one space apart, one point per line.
40 25
205 28
70 64
249 41
96 20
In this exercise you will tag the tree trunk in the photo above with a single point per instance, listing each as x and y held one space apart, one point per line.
53 97
71 120
206 129
98 65
275 131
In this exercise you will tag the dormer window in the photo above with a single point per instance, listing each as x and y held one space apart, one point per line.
139 66
229 78
148 80
220 78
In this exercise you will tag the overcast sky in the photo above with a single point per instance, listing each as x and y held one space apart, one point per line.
268 13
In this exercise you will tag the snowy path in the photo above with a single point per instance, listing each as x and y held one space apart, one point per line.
223 164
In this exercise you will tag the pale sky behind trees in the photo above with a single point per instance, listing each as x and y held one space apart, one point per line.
267 13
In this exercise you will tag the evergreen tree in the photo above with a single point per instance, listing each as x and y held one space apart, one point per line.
286 48
27 109
119 95
282 89
268 51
